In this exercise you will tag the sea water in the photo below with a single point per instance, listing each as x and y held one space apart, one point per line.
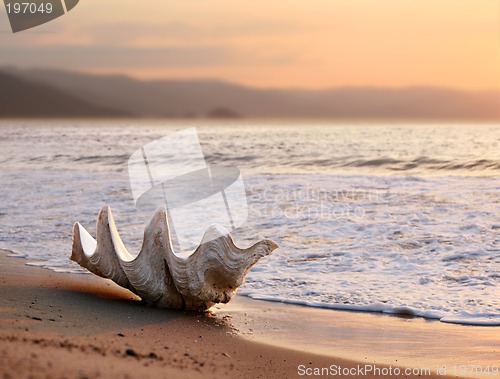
400 218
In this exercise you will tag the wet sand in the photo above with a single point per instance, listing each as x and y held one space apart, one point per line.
67 325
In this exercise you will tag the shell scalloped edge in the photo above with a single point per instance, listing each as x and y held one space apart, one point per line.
210 275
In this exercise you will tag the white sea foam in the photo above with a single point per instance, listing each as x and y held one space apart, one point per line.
360 237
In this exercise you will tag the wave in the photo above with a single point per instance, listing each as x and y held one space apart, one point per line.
420 163
463 318
69 160
294 163
105 159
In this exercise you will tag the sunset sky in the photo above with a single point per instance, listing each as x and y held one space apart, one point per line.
282 43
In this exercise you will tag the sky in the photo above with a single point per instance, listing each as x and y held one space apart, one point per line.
281 43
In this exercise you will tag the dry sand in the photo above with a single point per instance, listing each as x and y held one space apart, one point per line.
81 326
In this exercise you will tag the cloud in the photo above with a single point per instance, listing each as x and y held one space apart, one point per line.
106 56
140 45
136 45
124 33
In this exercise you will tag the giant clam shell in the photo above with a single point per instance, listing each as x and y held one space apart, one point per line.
158 275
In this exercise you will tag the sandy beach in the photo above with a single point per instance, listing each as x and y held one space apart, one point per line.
330 169
68 325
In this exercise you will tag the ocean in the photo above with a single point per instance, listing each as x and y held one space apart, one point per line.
400 218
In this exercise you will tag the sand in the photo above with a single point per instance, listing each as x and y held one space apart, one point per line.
81 326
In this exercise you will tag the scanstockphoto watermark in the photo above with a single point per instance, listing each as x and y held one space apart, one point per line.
312 203
471 370
362 370
172 172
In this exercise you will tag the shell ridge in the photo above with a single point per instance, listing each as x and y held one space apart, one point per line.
211 274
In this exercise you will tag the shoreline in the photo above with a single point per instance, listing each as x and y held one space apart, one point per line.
55 324
386 339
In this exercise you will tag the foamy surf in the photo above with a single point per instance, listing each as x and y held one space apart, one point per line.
356 237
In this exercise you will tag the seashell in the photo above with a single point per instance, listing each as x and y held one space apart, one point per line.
210 275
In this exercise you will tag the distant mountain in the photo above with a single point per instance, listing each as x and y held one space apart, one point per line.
206 98
26 98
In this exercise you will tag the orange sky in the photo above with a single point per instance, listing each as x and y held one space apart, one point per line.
283 43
